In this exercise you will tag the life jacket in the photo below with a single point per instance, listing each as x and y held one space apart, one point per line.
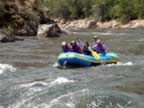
67 49
99 48
77 49
86 51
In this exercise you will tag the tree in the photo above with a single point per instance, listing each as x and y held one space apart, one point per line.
138 8
124 10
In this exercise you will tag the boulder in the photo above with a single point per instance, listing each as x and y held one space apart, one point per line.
49 30
91 24
23 16
8 38
5 38
29 29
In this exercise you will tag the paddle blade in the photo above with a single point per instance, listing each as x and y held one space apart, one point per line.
95 54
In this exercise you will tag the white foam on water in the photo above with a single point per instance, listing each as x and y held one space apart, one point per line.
61 80
6 67
40 83
28 103
110 104
101 33
56 64
43 105
33 91
34 87
20 103
121 64
93 105
37 89
69 104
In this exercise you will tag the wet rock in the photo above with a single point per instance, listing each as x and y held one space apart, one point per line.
4 37
51 30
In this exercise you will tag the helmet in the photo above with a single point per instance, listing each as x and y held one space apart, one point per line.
95 37
63 43
98 41
73 42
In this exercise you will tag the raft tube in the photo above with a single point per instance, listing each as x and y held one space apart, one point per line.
73 58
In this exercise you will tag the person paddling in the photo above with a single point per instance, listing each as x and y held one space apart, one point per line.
86 50
76 47
66 47
98 46
95 39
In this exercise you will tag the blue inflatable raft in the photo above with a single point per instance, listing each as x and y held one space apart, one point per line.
72 58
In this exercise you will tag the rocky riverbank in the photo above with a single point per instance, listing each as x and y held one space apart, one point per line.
92 23
25 18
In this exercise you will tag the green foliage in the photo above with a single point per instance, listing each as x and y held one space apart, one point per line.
75 8
86 7
102 9
57 8
139 8
124 10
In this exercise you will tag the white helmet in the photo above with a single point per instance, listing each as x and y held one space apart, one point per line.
63 43
95 37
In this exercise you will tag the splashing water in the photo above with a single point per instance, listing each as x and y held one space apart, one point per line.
121 64
68 98
6 67
37 83
56 64
60 80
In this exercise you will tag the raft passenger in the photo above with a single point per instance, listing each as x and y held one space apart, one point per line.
76 47
86 50
99 47
66 47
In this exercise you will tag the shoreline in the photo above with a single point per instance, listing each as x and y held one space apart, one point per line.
86 23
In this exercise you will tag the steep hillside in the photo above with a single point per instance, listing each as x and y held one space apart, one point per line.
22 16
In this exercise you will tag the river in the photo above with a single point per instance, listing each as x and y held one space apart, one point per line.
29 78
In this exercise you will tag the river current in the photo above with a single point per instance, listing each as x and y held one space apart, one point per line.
29 77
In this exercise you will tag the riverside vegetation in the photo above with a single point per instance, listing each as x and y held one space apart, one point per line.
103 10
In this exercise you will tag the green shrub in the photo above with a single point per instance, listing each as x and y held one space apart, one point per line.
101 9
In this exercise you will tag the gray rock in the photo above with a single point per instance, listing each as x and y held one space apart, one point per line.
8 38
91 24
30 29
51 30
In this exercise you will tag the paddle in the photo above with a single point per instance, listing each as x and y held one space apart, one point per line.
94 53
